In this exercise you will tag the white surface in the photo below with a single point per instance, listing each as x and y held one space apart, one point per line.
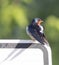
49 54
27 57
30 56
17 41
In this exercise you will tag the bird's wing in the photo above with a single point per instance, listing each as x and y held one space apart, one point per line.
41 38
45 41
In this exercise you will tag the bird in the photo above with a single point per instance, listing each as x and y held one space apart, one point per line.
36 31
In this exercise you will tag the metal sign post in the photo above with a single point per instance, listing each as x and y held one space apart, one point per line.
24 52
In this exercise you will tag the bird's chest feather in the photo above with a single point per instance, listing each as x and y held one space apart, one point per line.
41 29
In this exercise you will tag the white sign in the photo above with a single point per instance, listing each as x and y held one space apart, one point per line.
24 52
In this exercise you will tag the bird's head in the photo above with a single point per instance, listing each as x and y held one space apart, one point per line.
37 21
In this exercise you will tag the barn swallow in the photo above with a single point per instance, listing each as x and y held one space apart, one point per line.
35 31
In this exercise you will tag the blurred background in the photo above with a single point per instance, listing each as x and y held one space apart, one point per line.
15 15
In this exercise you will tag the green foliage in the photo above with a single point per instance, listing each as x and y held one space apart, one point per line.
9 14
52 26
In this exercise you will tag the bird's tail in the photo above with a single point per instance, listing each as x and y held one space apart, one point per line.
45 41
